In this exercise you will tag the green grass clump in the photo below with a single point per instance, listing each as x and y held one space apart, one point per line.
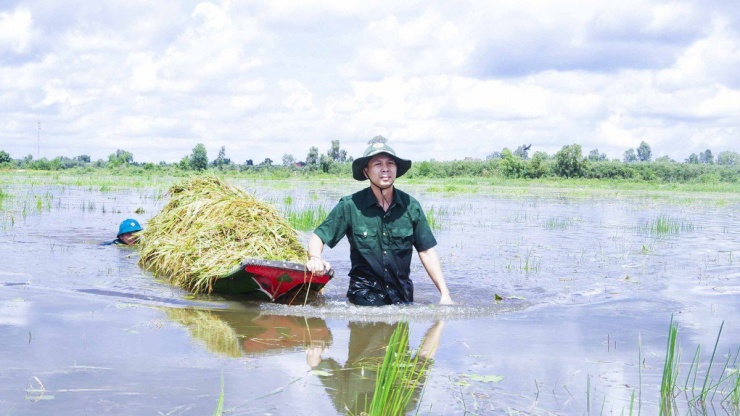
306 219
670 371
555 223
664 225
433 219
398 376
207 228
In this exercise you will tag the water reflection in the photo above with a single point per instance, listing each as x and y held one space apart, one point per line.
352 385
250 332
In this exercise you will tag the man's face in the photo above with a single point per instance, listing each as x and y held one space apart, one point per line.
381 170
128 238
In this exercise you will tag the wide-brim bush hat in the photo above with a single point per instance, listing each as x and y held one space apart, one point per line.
129 225
402 165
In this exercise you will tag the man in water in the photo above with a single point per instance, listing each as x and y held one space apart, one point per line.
383 226
127 232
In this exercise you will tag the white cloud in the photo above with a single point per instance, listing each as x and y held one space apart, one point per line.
441 80
16 30
713 59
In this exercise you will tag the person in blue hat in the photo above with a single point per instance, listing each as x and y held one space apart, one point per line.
127 232
383 225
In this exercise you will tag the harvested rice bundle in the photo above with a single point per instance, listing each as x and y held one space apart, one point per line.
207 228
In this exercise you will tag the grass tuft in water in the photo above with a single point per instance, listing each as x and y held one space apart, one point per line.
699 397
664 225
433 220
398 376
735 392
670 370
306 219
220 406
555 223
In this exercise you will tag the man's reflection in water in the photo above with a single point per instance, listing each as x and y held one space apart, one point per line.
351 386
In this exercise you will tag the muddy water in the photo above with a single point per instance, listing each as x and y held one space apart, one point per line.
563 307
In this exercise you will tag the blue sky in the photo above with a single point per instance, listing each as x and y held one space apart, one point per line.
441 80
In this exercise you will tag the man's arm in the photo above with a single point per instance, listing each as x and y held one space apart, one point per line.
315 263
431 263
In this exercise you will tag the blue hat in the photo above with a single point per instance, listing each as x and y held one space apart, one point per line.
129 226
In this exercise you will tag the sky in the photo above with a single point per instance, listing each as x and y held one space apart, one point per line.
441 80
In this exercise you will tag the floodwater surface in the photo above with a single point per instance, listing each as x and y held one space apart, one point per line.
563 305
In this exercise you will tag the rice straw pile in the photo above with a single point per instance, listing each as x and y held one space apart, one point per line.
207 229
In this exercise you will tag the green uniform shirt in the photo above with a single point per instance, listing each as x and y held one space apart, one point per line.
381 243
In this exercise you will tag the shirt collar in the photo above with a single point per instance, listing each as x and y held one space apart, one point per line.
370 200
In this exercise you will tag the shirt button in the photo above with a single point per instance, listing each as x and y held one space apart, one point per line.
385 252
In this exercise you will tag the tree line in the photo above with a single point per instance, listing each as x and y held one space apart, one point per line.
568 162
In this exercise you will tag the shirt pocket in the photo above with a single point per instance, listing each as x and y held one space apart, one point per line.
400 241
366 239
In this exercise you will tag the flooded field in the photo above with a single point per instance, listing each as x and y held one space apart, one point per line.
564 301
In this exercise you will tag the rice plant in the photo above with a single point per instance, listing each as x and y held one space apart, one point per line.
398 376
555 223
735 392
670 371
433 220
664 225
220 406
306 219
727 384
208 228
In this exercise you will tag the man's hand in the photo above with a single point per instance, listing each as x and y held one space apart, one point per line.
446 300
317 265
313 355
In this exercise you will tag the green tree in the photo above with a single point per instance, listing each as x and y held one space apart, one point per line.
511 166
706 157
267 162
5 157
221 160
312 159
184 163
728 158
569 162
377 139
82 159
644 153
120 157
288 160
629 156
537 166
336 153
326 163
595 156
521 151
693 159
199 158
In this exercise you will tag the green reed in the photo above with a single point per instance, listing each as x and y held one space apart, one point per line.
398 376
727 384
433 219
555 223
220 406
735 392
307 218
664 225
670 370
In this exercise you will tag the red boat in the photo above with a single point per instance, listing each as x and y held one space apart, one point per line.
273 281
